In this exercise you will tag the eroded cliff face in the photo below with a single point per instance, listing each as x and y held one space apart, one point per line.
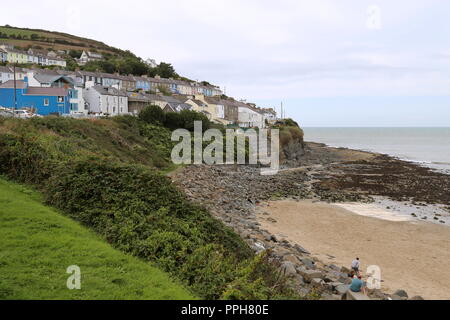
293 150
291 142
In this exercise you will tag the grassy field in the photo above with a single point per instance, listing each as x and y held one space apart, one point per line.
38 244
77 43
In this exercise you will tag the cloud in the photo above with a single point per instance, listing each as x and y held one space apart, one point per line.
263 49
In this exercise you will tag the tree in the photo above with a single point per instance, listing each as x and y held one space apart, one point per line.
166 70
189 117
153 114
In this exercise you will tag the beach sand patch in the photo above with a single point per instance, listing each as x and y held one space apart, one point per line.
413 255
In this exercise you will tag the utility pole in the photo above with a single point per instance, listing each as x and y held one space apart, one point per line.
118 98
15 88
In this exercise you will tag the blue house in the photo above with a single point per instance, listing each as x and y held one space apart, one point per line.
43 101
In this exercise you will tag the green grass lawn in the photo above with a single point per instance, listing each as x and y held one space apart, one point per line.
37 244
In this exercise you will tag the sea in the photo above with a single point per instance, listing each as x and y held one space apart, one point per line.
429 147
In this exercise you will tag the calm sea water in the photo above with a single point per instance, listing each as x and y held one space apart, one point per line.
428 146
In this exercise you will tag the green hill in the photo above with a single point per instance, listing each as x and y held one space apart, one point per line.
51 40
38 244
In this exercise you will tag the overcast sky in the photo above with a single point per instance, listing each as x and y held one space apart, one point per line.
332 63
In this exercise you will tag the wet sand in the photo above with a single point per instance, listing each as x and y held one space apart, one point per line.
413 255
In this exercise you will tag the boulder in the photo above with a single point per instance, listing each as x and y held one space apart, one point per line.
345 270
301 249
350 295
292 258
288 268
309 275
317 282
308 263
341 289
401 293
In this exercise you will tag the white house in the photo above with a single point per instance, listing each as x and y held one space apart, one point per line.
249 117
88 56
6 74
105 100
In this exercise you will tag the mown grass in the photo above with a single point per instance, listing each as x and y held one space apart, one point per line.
38 244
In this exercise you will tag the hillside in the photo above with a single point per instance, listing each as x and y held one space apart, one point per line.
38 244
23 37
109 175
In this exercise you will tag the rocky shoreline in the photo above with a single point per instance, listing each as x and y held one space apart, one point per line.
238 194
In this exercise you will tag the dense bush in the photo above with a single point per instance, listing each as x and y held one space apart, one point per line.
153 114
97 173
185 120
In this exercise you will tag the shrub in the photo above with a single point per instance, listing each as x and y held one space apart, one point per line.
152 114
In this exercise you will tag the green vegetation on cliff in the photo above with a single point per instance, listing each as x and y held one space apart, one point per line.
107 174
39 244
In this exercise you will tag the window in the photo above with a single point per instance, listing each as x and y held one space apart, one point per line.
60 99
46 102
74 106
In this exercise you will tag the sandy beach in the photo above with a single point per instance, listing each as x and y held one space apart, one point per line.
413 255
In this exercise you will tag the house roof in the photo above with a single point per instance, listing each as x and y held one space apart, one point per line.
20 84
37 91
137 96
94 55
110 91
5 69
88 73
171 99
49 78
212 100
41 52
198 102
154 97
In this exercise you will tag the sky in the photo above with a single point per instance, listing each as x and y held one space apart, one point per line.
332 63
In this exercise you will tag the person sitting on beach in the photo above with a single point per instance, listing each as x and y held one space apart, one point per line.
357 285
355 265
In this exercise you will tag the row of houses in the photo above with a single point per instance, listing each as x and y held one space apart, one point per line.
61 92
34 56
144 83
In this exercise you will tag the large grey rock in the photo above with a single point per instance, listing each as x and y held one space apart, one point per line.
317 282
301 249
350 295
401 293
341 289
292 258
288 268
308 275
310 264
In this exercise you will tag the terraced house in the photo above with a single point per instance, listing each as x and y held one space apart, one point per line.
105 100
16 56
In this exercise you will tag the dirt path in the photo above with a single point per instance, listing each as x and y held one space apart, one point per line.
412 255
